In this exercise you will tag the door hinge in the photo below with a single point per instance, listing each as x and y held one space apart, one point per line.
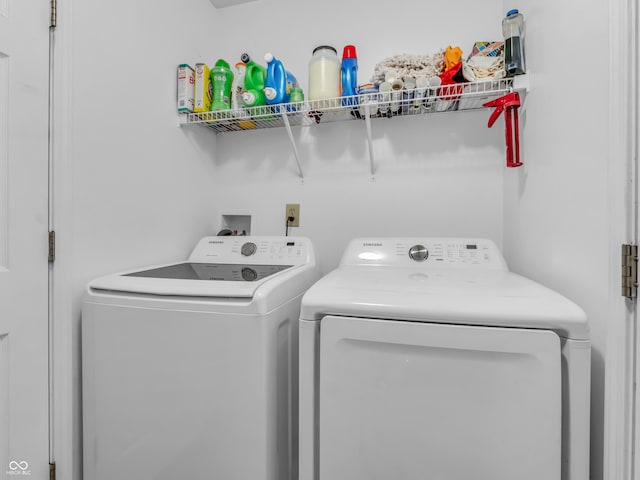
629 271
52 471
52 246
54 14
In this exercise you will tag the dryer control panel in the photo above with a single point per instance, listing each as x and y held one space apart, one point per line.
253 250
425 252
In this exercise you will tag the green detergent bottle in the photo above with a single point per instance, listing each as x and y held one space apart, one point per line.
254 78
221 80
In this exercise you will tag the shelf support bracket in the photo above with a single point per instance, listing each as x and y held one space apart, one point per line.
367 122
285 119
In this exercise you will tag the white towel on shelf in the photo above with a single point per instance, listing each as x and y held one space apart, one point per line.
480 67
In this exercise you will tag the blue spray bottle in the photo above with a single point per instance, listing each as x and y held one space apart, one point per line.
278 82
349 69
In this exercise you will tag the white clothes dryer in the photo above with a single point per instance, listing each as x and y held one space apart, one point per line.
426 358
190 369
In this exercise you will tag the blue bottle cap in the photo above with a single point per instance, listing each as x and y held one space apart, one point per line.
512 12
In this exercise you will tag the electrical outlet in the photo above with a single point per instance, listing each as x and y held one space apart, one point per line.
293 210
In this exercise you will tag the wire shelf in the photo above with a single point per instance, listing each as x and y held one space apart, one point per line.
417 101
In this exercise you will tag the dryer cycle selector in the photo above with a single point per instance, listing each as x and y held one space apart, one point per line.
418 253
248 249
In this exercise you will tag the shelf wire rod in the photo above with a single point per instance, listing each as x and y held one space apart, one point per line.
287 125
367 122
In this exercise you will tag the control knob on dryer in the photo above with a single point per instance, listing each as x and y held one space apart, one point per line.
418 253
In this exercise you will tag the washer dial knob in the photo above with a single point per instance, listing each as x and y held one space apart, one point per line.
248 249
419 253
249 274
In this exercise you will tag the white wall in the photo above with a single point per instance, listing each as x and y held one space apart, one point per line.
132 189
439 175
555 224
556 221
434 176
143 189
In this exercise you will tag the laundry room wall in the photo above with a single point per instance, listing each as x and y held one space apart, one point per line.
141 189
131 188
134 189
557 221
435 175
444 174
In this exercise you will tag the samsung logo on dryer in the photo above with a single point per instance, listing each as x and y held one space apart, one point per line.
365 244
216 242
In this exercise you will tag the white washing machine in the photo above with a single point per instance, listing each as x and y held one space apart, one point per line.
190 369
426 359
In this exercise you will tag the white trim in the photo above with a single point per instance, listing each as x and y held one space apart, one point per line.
635 105
4 160
619 375
50 271
67 443
4 399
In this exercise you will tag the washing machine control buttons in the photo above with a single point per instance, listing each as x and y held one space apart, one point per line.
418 253
248 249
249 274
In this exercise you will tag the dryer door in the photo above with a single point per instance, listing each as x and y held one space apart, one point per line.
420 401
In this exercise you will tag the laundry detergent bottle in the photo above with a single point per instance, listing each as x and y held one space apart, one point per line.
279 82
238 86
221 80
349 72
254 78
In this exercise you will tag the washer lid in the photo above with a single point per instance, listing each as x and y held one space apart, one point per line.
221 267
193 279
221 272
455 296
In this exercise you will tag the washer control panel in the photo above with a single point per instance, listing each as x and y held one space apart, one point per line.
425 252
254 250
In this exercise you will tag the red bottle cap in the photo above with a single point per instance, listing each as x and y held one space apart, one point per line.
349 51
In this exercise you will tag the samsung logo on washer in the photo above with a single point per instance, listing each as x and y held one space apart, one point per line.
216 242
371 244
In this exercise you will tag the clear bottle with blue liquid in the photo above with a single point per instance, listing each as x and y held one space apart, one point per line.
513 31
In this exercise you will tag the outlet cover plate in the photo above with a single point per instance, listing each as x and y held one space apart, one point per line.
293 210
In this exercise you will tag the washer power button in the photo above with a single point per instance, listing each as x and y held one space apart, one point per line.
418 253
248 249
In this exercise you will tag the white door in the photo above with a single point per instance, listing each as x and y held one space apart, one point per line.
414 401
24 66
